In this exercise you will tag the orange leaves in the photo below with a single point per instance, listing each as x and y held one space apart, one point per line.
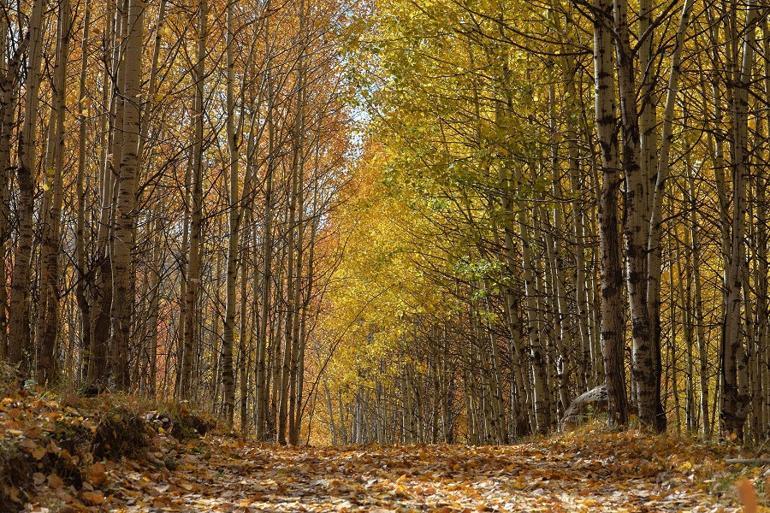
54 481
749 498
584 471
32 448
96 474
94 498
747 495
399 490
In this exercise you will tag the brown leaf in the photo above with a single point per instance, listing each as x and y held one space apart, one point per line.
39 453
94 498
96 474
160 501
12 493
55 481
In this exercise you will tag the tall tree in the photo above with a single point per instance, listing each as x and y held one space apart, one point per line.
19 328
613 325
125 215
194 261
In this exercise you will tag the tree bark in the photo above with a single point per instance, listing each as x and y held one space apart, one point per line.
125 215
734 398
19 327
194 261
49 271
612 323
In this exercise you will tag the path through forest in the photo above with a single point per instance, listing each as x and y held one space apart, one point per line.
589 471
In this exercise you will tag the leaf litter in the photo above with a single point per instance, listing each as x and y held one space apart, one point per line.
589 470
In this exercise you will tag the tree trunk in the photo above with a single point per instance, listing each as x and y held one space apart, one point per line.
125 215
612 323
234 221
53 198
734 398
661 175
194 261
19 328
81 291
636 225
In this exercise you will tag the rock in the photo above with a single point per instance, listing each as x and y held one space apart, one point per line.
170 462
594 400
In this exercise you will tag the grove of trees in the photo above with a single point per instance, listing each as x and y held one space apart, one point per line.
391 221
556 195
167 169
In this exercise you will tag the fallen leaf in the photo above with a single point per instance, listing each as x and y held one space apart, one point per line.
94 498
96 474
39 453
747 496
55 481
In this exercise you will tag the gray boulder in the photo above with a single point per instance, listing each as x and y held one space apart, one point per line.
595 400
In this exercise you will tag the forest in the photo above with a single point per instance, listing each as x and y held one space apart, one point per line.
477 243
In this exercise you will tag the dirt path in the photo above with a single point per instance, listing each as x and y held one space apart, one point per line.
618 473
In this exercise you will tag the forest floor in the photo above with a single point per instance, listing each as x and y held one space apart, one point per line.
587 470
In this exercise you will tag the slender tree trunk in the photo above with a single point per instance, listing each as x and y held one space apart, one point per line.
267 263
541 400
661 167
103 287
81 291
612 324
125 215
734 399
636 224
9 84
234 221
49 272
299 189
19 328
700 330
289 319
194 261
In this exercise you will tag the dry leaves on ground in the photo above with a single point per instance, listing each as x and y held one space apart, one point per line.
624 472
589 470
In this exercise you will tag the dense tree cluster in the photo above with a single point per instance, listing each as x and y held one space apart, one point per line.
392 221
167 169
567 194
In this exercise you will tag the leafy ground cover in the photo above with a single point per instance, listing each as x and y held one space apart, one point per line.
103 455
